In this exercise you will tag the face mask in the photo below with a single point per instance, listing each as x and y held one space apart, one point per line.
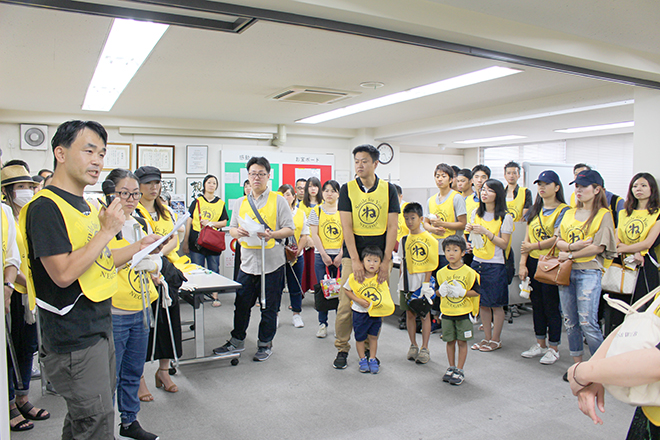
23 196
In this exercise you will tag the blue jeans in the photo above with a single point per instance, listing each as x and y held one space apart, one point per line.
130 350
245 299
212 261
293 279
24 337
319 270
579 302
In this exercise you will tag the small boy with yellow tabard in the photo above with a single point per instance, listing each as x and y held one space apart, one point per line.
418 252
459 291
370 302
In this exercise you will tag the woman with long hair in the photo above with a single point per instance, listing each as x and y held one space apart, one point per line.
586 236
637 236
18 189
325 225
206 210
130 331
543 218
495 225
161 219
294 271
311 199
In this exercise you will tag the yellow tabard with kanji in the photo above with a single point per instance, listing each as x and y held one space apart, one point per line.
572 230
541 228
208 211
377 294
516 206
466 277
162 227
129 292
421 252
402 229
444 211
369 209
268 213
635 227
330 232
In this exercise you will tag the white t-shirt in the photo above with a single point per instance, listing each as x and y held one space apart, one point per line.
355 306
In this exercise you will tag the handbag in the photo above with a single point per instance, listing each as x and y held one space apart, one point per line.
321 303
210 238
618 278
552 271
330 286
291 250
640 330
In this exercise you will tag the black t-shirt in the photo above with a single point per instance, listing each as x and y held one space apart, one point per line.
87 322
192 238
345 204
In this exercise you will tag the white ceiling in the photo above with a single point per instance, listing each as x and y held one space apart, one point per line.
48 58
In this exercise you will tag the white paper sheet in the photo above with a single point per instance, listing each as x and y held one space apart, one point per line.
253 228
139 256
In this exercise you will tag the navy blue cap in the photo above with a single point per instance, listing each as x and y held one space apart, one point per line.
588 177
548 176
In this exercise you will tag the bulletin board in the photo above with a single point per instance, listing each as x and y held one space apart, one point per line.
285 168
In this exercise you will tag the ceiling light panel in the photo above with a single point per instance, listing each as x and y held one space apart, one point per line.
128 45
445 85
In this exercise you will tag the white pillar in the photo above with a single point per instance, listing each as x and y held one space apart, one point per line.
646 141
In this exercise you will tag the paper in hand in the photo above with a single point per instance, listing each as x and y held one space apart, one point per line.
139 256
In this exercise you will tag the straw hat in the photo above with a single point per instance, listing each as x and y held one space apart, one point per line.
16 174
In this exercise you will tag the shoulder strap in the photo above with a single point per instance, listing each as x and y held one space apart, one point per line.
615 215
258 216
406 284
143 223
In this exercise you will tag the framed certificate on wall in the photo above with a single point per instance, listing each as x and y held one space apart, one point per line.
159 156
197 158
117 155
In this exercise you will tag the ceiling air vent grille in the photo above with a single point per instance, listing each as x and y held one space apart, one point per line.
311 95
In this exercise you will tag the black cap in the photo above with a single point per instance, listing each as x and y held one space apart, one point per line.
588 177
548 176
148 174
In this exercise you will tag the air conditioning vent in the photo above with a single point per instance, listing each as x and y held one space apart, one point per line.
311 95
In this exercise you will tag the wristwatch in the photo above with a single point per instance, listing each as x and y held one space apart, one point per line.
10 285
570 255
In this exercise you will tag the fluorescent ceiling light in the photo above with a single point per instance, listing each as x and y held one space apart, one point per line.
509 137
417 92
128 45
597 127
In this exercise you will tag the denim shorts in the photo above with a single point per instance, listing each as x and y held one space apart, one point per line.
364 325
493 284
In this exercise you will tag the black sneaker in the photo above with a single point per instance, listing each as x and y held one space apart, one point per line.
262 354
565 377
341 361
135 431
229 348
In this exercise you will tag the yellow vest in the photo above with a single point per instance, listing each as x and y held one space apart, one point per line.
466 277
444 211
488 251
162 227
421 252
652 412
209 211
573 203
516 205
635 227
572 230
541 228
99 282
330 232
299 222
377 294
402 229
306 209
129 292
5 236
369 209
268 213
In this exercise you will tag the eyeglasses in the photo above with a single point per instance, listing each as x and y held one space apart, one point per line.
125 195
260 175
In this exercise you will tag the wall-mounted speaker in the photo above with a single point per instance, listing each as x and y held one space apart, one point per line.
34 137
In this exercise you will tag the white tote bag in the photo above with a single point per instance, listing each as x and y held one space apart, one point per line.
639 330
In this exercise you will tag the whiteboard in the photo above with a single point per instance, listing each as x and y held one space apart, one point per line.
565 172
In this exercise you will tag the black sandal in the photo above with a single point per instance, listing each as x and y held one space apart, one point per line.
23 425
27 407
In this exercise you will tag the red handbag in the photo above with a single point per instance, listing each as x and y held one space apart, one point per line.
210 238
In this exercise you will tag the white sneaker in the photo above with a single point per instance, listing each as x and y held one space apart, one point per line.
535 350
550 357
322 331
297 321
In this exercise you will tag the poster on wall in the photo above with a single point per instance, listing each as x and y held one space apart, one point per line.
168 184
194 188
179 204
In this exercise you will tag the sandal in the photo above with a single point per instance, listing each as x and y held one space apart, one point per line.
146 397
23 425
478 345
489 347
42 414
159 383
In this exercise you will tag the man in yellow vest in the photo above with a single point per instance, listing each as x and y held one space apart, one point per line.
275 213
73 275
518 199
369 212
